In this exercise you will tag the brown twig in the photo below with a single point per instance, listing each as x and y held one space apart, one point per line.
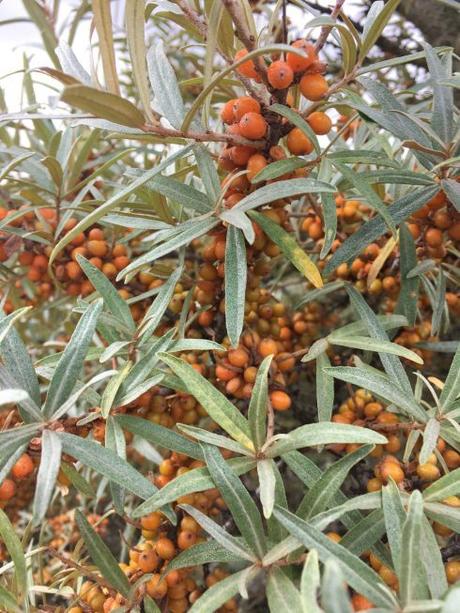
87 573
197 20
326 30
207 136
245 36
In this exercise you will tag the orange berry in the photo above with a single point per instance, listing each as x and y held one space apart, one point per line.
240 154
23 467
247 69
73 270
298 63
319 122
280 400
256 163
452 569
97 247
226 113
243 105
361 603
165 548
151 522
393 470
121 262
238 357
428 472
155 587
253 126
148 561
186 539
280 75
313 86
7 490
433 237
267 346
454 231
298 143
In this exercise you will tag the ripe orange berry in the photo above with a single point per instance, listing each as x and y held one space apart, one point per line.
428 472
155 587
253 126
243 105
23 467
165 548
256 163
452 569
298 143
240 154
319 122
313 86
298 63
280 75
226 113
186 539
7 490
247 69
267 346
433 237
280 400
151 522
454 231
361 603
73 270
238 357
97 247
148 561
391 469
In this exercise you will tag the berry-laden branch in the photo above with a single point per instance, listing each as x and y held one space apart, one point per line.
208 136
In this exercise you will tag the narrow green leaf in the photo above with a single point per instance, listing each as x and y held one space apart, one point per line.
196 480
407 299
370 344
203 553
164 84
104 105
324 388
50 461
282 593
134 16
235 283
289 247
267 483
282 189
115 440
376 28
334 594
79 482
318 498
102 556
14 548
106 462
310 582
218 594
8 601
278 169
412 573
451 390
219 408
219 534
399 210
112 299
356 572
432 561
71 362
103 22
380 385
448 485
394 516
325 433
237 498
365 189
367 532
258 404
159 435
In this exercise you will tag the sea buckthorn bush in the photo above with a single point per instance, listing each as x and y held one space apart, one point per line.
229 356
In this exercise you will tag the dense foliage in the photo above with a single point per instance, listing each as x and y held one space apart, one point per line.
230 370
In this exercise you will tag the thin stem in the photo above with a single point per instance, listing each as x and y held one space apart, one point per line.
326 30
